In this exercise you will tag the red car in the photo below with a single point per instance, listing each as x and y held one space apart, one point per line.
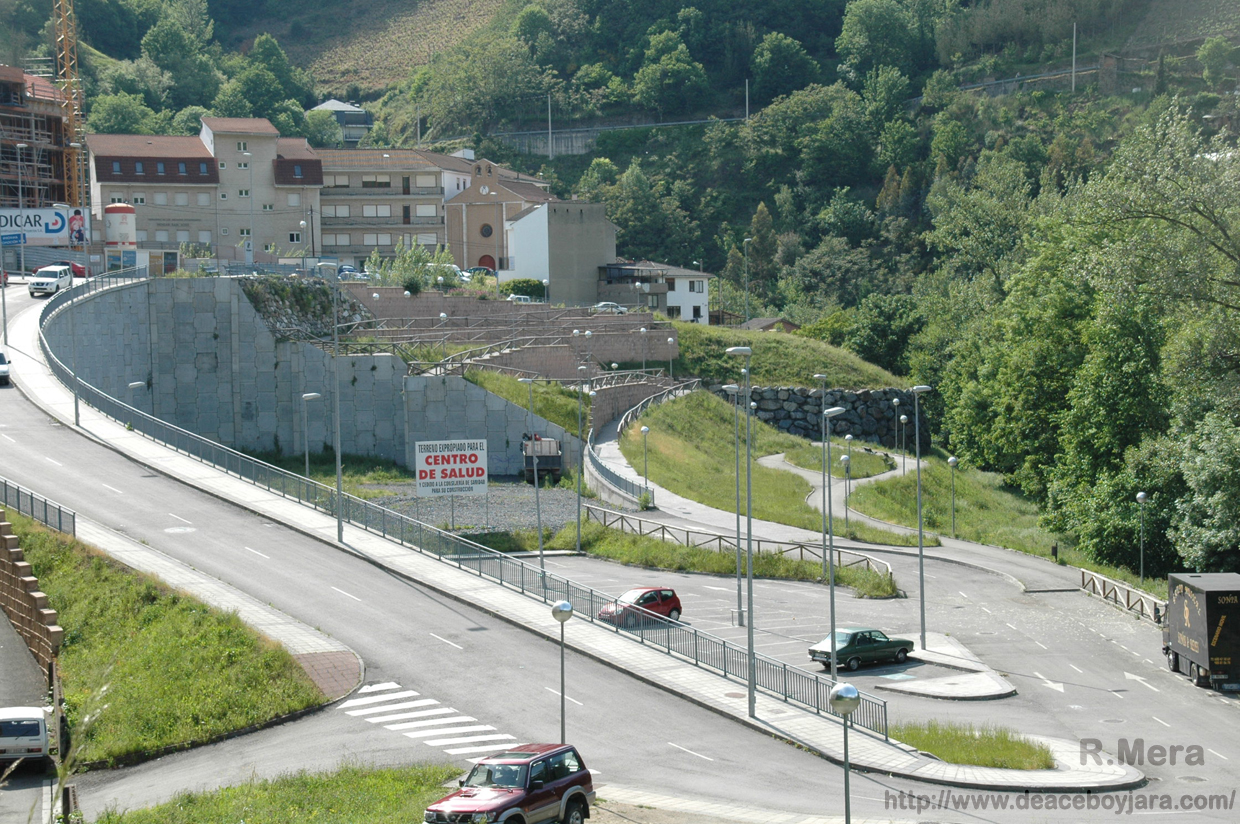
529 783
79 271
642 603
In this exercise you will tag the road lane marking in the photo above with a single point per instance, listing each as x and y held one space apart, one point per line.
447 742
386 685
58 463
1046 682
342 592
1160 721
375 699
179 518
268 557
717 589
1116 694
452 731
114 489
988 612
1078 669
444 724
421 702
463 750
962 595
7 438
1013 627
446 641
1128 676
567 697
1040 644
691 752
1219 754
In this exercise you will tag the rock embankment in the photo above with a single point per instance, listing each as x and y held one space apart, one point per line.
300 308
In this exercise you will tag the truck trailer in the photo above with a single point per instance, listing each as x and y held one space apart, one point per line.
1201 637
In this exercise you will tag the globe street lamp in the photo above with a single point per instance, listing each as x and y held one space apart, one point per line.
921 547
581 456
547 291
645 460
828 528
747 353
336 400
1141 499
844 701
529 423
670 343
952 463
904 443
734 390
562 611
305 425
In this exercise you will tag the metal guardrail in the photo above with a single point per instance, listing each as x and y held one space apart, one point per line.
1124 596
719 542
790 683
33 505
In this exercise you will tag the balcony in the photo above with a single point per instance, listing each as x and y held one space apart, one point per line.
378 222
329 192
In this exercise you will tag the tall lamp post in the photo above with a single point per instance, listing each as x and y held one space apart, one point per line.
643 332
443 338
645 459
747 353
745 247
670 343
249 244
828 544
547 292
581 454
904 443
847 461
305 425
1141 499
921 546
734 390
952 463
562 611
529 423
844 701
895 405
336 400
303 244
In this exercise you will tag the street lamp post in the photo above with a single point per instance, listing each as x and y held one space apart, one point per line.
895 405
581 455
847 461
747 353
952 463
670 343
643 331
336 401
1141 499
645 459
529 422
745 247
305 425
561 612
921 547
734 390
904 443
547 292
303 244
844 700
132 386
443 338
249 244
828 530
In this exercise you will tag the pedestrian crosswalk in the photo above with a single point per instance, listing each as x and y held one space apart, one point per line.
424 719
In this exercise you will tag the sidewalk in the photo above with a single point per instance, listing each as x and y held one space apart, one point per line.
821 734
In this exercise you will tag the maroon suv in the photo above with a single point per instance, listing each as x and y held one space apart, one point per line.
529 784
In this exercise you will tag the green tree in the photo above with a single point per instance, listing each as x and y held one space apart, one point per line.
119 113
838 149
669 81
294 83
489 79
531 22
1206 528
1214 55
323 130
650 221
883 325
884 93
189 120
178 52
289 119
255 89
876 33
780 65
139 77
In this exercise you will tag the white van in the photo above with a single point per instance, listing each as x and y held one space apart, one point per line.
49 280
520 299
23 734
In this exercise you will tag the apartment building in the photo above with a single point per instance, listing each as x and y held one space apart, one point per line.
679 293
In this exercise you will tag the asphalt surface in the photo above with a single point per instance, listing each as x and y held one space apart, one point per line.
507 678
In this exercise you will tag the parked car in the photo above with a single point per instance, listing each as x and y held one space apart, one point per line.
49 280
640 604
23 734
608 308
345 270
520 299
860 645
79 271
535 782
484 271
4 370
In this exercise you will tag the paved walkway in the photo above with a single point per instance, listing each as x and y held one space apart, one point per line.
818 733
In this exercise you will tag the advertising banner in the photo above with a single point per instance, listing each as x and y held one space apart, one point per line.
48 227
451 468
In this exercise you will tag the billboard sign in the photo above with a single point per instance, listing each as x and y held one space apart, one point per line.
48 227
451 468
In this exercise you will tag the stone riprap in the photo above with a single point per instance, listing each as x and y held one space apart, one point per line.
869 414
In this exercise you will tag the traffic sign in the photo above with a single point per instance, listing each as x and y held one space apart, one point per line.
14 239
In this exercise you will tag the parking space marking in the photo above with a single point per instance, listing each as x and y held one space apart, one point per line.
179 518
256 552
342 592
1160 721
691 752
566 698
114 489
58 463
445 640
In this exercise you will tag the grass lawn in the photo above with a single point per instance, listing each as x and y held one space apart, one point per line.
551 400
152 668
351 795
358 472
864 464
691 450
984 746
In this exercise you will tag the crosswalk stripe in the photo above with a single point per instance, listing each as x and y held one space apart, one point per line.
433 722
443 742
375 699
400 716
463 750
424 733
421 702
390 685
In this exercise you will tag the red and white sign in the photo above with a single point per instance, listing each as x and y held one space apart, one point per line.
451 468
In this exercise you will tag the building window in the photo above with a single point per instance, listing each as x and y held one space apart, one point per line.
294 237
428 239
223 195
653 301
204 237
159 167
223 165
380 239
204 199
138 168
181 168
116 167
242 146
161 236
183 236
269 207
336 181
116 197
336 211
243 193
376 210
243 165
202 168
139 198
376 181
244 232
426 181
297 170
697 286
671 285
224 231
426 210
141 236
294 200
270 247
182 198
486 230
673 312
161 198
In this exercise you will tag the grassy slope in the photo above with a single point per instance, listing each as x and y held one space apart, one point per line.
864 464
153 667
1192 19
551 400
779 359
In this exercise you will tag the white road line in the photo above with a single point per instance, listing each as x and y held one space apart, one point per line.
421 702
386 685
566 698
443 723
1078 669
114 489
447 742
58 463
354 597
7 438
962 595
375 699
1040 644
446 641
179 518
1219 754
1013 627
455 731
691 752
400 716
717 589
988 612
268 557
463 750
1160 721
1116 694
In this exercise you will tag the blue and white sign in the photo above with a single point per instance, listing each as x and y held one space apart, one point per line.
14 239
47 227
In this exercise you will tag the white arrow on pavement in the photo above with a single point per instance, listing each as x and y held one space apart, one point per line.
1130 677
1046 682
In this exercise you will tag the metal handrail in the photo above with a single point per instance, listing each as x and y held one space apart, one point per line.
33 505
1122 595
792 684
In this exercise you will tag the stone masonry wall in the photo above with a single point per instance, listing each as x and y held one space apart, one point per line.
869 414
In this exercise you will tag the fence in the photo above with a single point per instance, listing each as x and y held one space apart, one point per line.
790 683
1124 596
719 543
34 505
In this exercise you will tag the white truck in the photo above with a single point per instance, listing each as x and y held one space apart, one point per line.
49 280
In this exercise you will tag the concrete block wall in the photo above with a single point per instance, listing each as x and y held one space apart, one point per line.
113 341
23 603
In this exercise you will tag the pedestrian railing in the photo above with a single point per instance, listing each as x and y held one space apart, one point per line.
1124 596
790 683
33 505
631 524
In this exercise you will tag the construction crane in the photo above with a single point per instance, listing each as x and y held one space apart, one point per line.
70 84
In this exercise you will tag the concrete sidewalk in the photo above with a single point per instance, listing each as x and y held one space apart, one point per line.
819 733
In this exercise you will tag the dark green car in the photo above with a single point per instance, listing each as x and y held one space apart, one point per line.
860 645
